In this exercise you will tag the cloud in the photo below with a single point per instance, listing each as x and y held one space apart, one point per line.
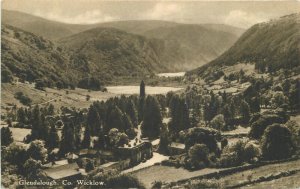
243 19
88 17
163 11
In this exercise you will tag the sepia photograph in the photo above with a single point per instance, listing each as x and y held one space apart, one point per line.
150 94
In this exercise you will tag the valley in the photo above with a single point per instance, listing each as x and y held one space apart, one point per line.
150 104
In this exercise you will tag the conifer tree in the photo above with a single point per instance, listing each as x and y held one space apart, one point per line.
53 139
6 136
86 142
93 121
131 112
67 143
152 120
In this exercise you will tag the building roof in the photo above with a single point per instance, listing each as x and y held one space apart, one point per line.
62 171
177 145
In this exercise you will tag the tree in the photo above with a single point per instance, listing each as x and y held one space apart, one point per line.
37 150
21 117
117 138
142 90
218 122
115 119
277 143
86 142
198 153
294 127
40 84
39 128
131 112
67 143
53 139
15 154
128 126
179 115
33 169
258 127
164 140
6 136
202 135
245 111
152 120
93 121
123 181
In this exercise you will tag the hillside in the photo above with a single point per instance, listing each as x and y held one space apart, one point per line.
187 46
32 57
271 46
109 53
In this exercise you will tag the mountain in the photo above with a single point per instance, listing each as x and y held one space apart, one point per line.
271 46
108 50
187 46
111 52
32 57
39 26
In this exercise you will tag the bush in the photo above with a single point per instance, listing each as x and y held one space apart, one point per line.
123 181
277 143
202 135
238 153
259 126
199 152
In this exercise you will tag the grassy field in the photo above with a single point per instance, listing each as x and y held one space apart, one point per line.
171 174
167 174
290 182
69 98
19 133
256 173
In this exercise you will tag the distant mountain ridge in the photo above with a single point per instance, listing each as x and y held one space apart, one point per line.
108 50
271 46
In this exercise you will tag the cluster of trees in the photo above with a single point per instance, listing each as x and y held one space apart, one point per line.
25 100
28 161
90 83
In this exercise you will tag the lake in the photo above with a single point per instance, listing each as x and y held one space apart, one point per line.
177 74
131 89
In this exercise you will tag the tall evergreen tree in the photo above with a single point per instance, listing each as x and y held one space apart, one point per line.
131 112
179 115
53 139
245 111
152 120
115 120
86 142
21 117
6 136
93 121
67 143
39 126
36 122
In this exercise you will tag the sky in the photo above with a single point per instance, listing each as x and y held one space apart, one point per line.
241 14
